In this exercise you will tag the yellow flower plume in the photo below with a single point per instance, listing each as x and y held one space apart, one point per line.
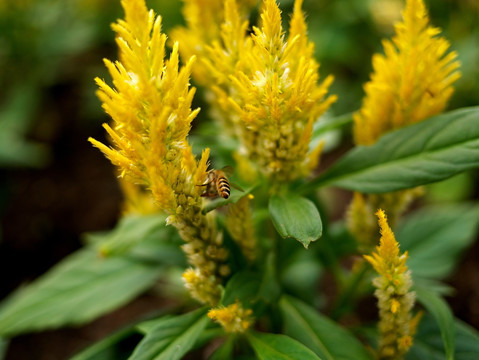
411 81
395 300
274 95
150 105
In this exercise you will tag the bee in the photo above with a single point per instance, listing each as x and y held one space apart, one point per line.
218 185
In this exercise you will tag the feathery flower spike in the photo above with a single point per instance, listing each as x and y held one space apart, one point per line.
274 97
411 82
150 105
395 300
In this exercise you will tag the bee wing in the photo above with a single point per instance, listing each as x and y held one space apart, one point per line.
228 170
236 186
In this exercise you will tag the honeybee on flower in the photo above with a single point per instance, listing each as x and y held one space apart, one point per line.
218 184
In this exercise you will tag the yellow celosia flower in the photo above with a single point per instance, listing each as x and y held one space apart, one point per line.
234 318
395 300
411 81
150 105
274 96
241 228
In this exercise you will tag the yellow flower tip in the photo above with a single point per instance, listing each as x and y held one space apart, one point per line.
234 318
370 260
395 306
250 196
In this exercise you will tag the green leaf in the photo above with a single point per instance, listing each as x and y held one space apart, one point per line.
422 153
428 343
243 286
145 237
320 334
435 236
104 349
296 217
80 288
279 347
171 337
439 309
129 231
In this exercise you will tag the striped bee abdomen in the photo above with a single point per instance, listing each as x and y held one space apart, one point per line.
224 187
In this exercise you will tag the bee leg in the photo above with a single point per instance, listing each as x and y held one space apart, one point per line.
205 184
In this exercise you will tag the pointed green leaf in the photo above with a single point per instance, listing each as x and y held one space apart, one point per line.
129 231
434 238
422 153
319 333
171 337
296 217
439 309
279 347
82 287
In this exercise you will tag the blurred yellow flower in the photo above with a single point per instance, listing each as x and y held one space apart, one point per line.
411 82
395 300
